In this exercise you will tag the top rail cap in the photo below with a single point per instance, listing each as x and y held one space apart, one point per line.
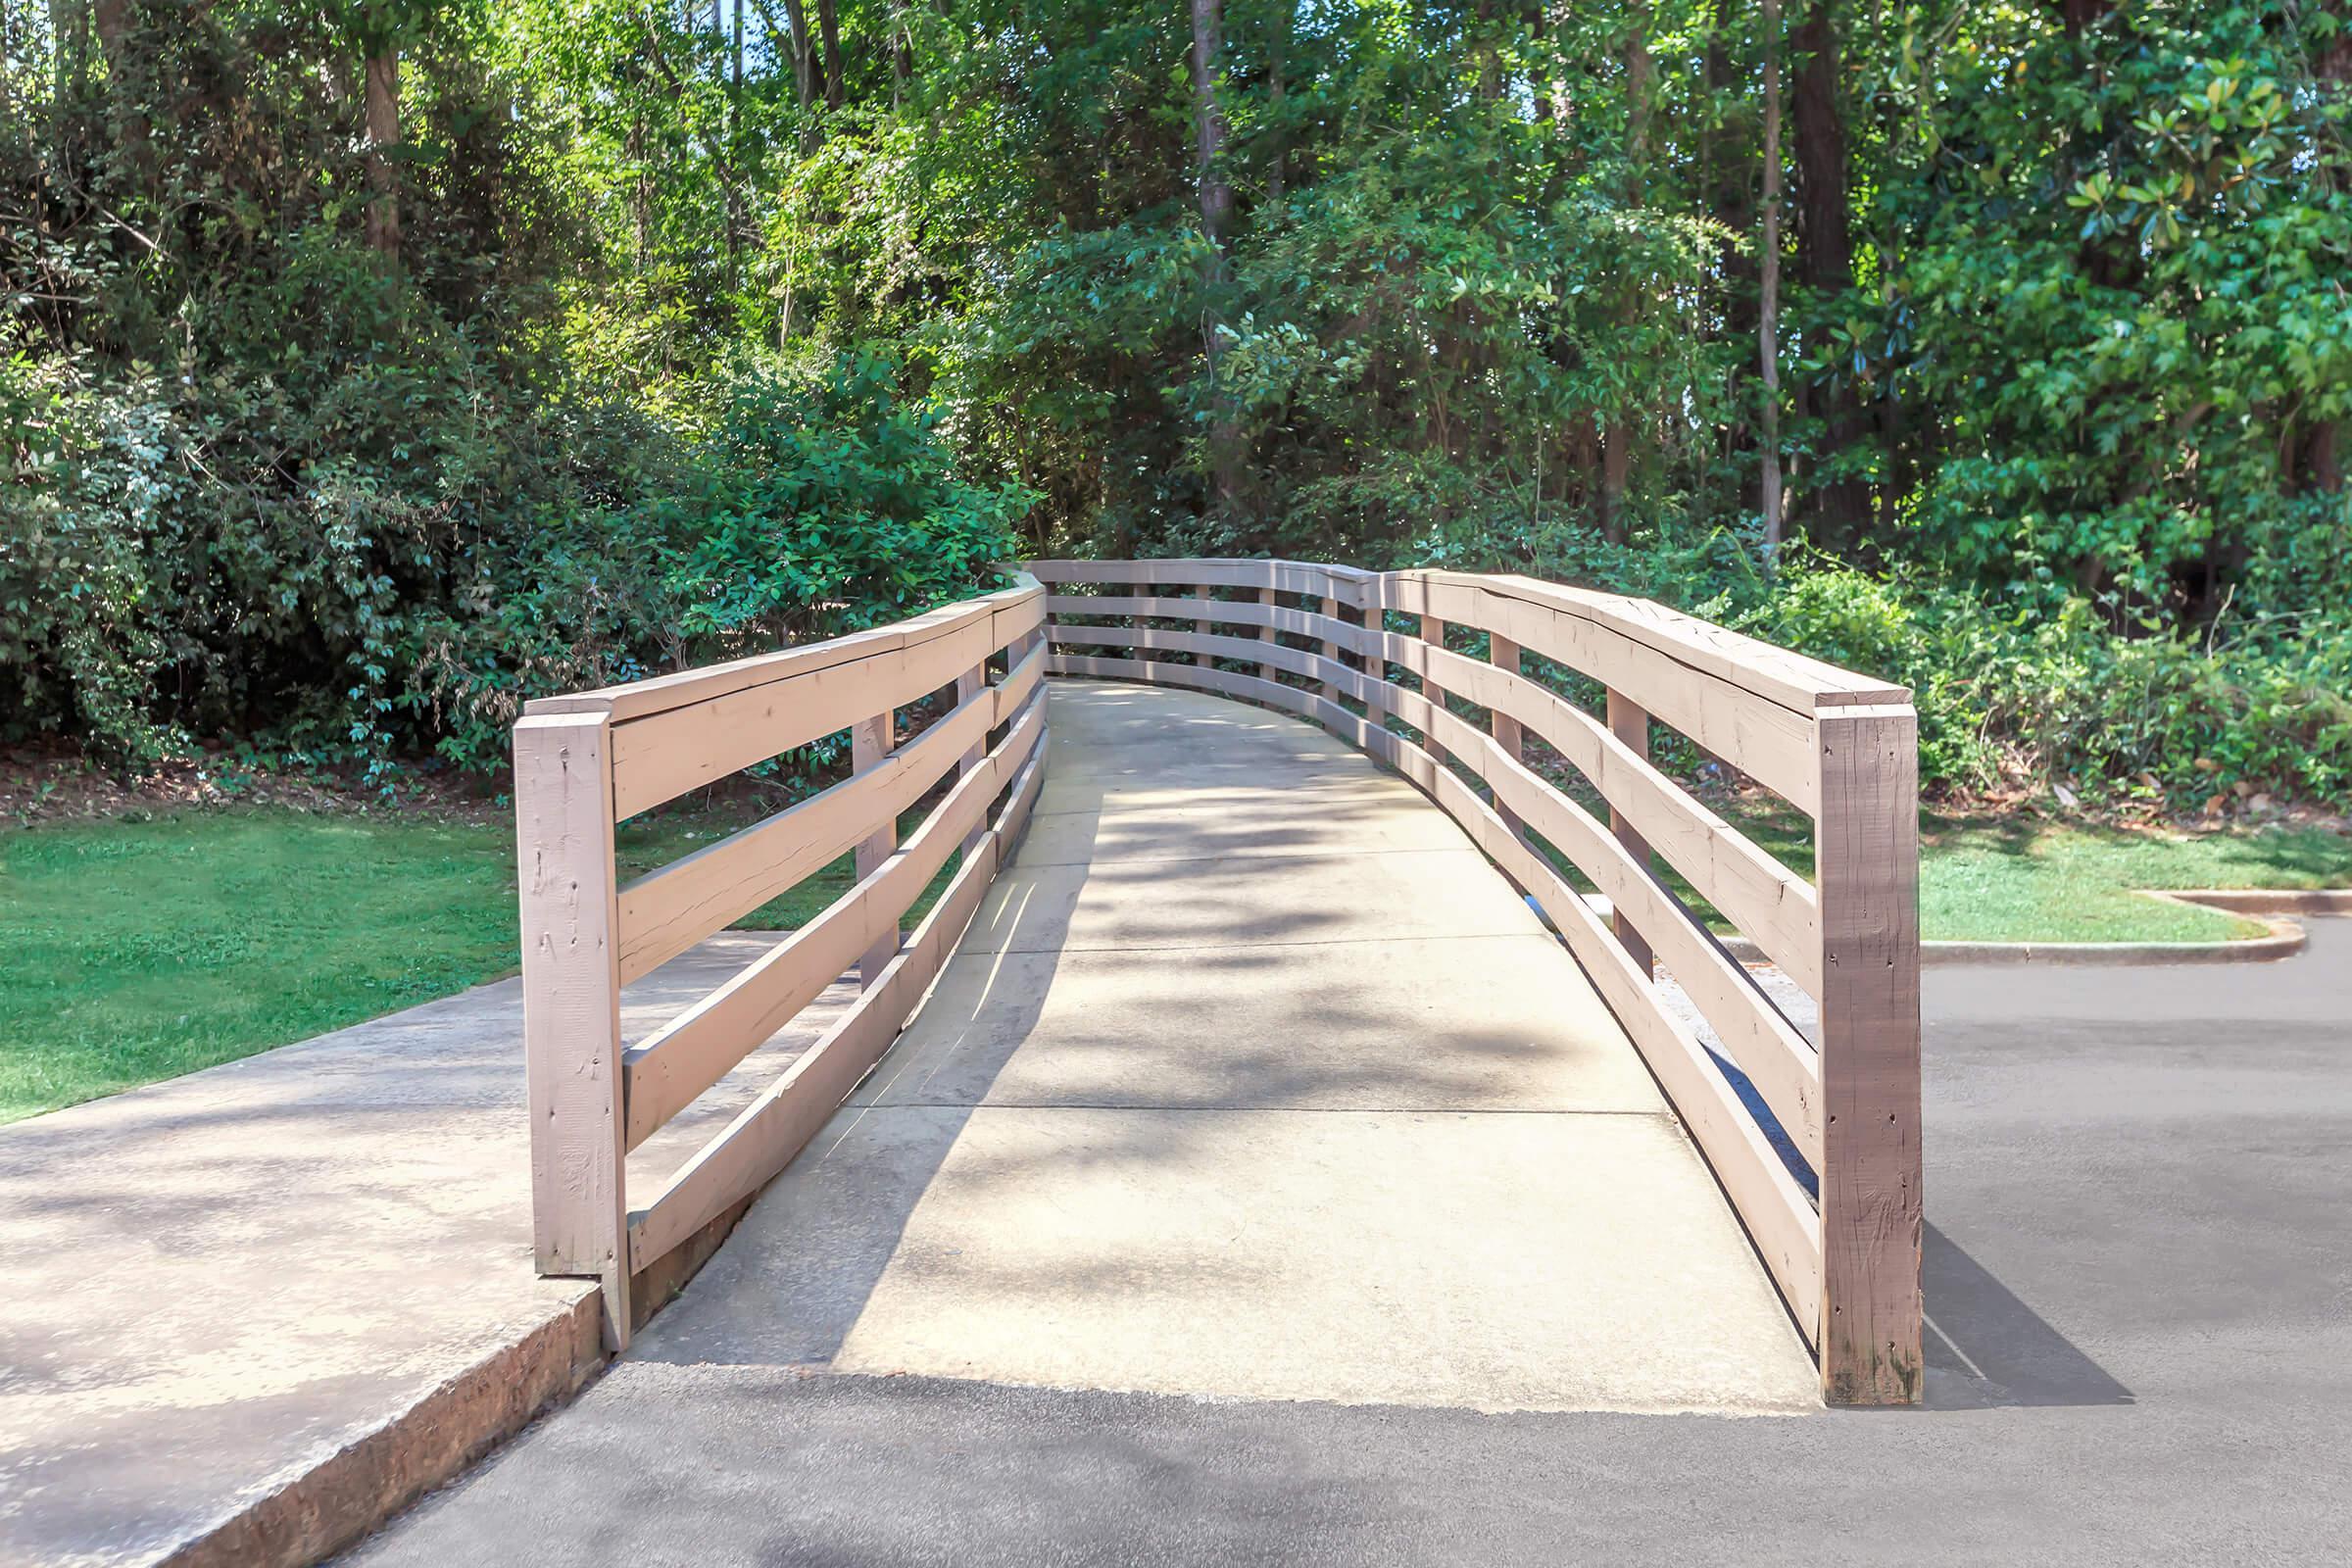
1779 674
658 694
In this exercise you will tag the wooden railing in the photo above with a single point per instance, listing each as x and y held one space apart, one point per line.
1317 641
584 764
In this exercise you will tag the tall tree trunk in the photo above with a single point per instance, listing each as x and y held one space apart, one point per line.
1768 332
828 26
794 40
383 130
1617 441
734 170
2077 16
1825 252
1216 215
640 193
1278 48
126 115
902 54
1731 185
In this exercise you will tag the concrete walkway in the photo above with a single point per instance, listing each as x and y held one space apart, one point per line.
249 1306
2138 1255
1253 1079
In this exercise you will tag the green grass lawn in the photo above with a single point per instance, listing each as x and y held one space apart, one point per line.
142 950
2021 879
138 951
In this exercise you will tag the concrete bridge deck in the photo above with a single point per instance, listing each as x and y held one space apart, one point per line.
1253 1079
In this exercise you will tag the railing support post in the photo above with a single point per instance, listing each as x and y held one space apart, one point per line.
1630 724
968 685
1868 872
1265 634
870 741
1330 650
1433 632
571 1004
1376 667
1503 653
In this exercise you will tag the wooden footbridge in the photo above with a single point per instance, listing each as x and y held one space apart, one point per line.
1230 1056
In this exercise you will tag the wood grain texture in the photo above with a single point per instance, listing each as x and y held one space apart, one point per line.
1022 603
1775 673
1769 742
666 912
871 741
1433 632
665 1073
766 1136
1868 1334
1286 576
666 754
1375 709
1266 633
968 687
1629 723
571 1004
1509 737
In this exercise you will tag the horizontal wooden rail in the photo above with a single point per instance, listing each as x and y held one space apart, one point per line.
1840 746
585 761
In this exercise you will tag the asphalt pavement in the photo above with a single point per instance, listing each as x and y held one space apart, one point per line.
2139 1268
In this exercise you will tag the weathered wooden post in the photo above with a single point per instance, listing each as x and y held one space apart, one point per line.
968 685
1503 653
870 741
1433 632
1330 650
1867 871
1630 724
1265 633
1375 666
571 1044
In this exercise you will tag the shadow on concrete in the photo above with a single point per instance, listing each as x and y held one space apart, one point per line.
1986 1349
799 1274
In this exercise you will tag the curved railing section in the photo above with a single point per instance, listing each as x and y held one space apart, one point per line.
584 764
1838 1229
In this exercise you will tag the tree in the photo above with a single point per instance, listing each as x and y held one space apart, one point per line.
1768 330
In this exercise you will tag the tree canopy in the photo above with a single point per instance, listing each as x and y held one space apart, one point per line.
369 364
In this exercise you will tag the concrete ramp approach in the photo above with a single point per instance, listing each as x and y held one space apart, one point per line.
1253 1079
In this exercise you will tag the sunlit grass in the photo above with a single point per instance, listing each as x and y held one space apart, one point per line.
141 949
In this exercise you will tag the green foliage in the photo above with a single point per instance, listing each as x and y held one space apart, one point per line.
2008 694
265 485
2121 294
686 349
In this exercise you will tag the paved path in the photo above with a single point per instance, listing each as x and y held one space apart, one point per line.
252 1303
1252 1079
2139 1251
2138 1255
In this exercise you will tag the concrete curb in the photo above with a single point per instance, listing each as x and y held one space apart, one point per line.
350 1492
2285 939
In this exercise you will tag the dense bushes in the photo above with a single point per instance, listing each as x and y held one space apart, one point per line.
382 548
2009 697
365 369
